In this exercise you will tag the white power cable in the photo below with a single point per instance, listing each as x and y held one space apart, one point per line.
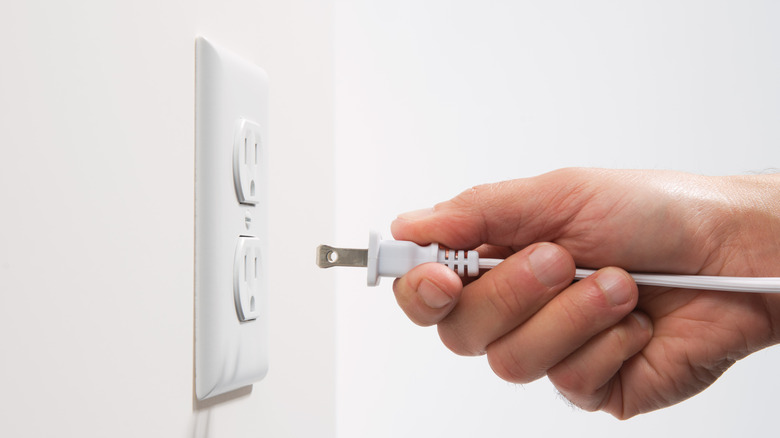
394 258
706 282
730 284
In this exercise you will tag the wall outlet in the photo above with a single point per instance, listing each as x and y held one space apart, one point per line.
247 152
231 208
247 281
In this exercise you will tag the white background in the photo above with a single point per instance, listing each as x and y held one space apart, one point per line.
435 96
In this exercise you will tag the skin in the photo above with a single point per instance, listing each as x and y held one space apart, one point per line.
605 343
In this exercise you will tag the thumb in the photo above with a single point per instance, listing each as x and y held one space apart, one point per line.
511 213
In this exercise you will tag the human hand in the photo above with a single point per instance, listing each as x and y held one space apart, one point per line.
603 342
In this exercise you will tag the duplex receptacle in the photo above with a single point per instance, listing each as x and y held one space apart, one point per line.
231 221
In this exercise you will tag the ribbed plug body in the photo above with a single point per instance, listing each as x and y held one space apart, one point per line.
394 258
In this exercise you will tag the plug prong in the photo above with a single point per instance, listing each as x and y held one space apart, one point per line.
328 256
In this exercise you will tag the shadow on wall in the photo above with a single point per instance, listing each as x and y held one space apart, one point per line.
201 421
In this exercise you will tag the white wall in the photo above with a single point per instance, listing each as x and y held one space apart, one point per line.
435 96
96 217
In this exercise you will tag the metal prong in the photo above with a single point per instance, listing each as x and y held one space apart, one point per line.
328 256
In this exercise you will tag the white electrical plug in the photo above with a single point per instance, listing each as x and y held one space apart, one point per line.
394 258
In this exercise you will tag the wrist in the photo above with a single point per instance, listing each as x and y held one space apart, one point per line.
753 247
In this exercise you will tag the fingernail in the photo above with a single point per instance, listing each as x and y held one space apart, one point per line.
642 319
433 297
416 215
615 286
546 266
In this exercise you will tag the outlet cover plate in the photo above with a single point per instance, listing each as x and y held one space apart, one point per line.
229 353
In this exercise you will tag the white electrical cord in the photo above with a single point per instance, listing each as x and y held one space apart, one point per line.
729 284
394 258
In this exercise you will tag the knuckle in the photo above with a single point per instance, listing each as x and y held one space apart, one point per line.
467 196
573 312
565 172
506 365
456 342
575 172
576 388
568 380
477 198
505 298
466 199
569 174
511 296
587 309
